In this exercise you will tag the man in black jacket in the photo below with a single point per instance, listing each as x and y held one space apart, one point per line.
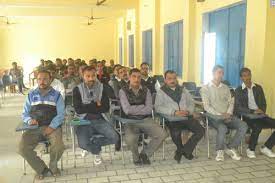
91 101
151 83
251 104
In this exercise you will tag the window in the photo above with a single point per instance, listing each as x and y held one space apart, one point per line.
120 51
131 51
147 47
173 47
228 25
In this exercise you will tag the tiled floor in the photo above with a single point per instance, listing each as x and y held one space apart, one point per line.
201 169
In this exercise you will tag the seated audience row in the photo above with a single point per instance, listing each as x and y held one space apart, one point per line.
92 87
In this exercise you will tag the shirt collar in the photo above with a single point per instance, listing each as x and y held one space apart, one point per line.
244 86
213 84
140 87
37 91
117 78
145 79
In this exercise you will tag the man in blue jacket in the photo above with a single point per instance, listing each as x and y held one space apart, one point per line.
44 107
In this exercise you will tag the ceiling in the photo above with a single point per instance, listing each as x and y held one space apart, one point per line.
63 8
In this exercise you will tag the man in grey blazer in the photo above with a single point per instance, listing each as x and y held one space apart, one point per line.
176 102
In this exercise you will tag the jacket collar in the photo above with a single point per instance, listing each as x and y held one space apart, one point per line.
244 86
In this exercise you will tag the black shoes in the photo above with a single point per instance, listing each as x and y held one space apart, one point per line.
178 156
138 162
188 156
118 144
144 158
45 173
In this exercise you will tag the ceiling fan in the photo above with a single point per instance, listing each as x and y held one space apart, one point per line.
100 3
7 20
92 18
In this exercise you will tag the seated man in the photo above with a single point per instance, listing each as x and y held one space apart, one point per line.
70 80
219 104
151 83
90 101
136 102
250 101
102 74
173 100
44 107
114 81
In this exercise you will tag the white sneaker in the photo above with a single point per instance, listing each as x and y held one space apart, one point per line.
267 152
250 154
84 153
97 160
233 154
220 155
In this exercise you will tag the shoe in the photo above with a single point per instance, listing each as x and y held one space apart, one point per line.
220 155
45 173
233 154
118 145
138 162
178 156
250 154
56 173
188 156
144 158
84 153
97 160
267 152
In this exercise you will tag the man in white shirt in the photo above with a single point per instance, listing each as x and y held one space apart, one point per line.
219 105
251 104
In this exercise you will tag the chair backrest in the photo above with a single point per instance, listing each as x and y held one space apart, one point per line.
160 79
191 86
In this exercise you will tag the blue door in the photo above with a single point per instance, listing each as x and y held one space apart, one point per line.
147 47
229 26
120 51
173 47
131 51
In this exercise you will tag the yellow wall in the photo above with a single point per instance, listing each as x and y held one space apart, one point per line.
49 38
268 66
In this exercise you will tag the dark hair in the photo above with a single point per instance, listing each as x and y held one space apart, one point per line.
14 63
70 65
117 65
169 72
245 69
44 71
88 68
216 67
144 63
134 70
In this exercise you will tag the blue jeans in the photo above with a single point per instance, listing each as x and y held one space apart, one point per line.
222 127
93 137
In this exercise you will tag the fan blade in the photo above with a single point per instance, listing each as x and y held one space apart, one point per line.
100 2
97 18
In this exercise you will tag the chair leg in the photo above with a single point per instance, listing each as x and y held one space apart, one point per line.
207 138
110 151
163 143
73 139
61 163
24 167
121 138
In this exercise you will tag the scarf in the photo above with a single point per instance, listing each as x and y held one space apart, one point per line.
173 94
92 94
